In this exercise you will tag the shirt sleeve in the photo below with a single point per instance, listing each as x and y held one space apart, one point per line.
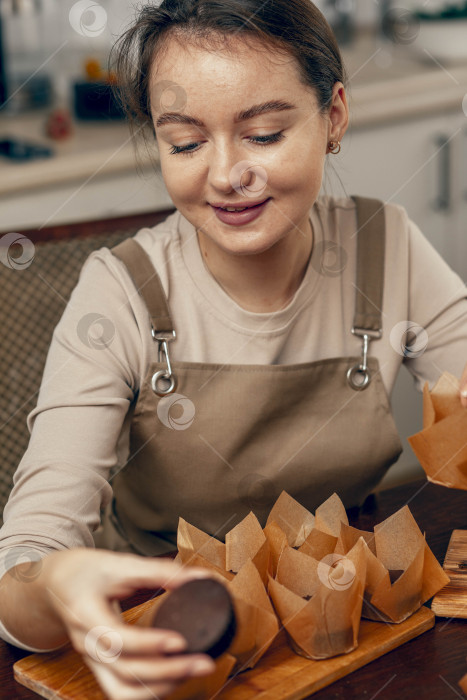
91 379
437 314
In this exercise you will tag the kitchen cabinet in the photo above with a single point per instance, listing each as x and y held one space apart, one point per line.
422 165
100 197
92 175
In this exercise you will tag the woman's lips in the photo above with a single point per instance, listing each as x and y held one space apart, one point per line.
239 218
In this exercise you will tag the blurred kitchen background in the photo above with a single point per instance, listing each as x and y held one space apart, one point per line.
65 156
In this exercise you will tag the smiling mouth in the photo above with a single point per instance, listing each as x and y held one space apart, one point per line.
237 209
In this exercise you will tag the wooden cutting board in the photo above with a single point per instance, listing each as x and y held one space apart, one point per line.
280 675
451 601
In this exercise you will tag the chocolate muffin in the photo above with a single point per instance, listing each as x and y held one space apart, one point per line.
202 611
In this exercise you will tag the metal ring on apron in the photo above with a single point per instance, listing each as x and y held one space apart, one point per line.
354 372
163 339
162 373
361 369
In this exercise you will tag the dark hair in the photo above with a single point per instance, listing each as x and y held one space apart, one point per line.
295 27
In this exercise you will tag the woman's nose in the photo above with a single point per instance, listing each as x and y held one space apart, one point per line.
229 170
222 162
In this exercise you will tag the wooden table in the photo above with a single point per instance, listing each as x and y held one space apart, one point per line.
427 668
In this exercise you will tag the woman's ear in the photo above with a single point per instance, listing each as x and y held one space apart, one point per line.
338 113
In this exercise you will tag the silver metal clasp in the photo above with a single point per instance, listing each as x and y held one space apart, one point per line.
157 383
359 375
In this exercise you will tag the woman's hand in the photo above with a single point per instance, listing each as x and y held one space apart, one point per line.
128 661
463 388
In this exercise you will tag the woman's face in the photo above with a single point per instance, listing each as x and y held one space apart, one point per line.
236 127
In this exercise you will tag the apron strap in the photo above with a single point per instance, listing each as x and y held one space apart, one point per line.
369 281
146 281
370 266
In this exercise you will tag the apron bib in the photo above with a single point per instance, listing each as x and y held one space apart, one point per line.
212 442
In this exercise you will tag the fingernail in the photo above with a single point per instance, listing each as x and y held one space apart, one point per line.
464 393
203 666
171 645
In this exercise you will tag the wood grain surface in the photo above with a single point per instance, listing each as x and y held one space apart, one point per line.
280 675
451 601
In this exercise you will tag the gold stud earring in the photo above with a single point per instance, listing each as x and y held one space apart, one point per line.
334 146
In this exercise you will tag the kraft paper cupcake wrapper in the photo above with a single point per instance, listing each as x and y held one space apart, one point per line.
441 447
243 563
289 523
206 687
318 544
319 573
402 571
245 541
257 624
295 521
320 604
193 542
277 542
317 596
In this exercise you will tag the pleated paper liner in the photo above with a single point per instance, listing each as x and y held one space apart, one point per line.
312 575
441 447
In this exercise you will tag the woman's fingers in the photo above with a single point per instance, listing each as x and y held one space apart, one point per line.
133 640
115 689
129 661
141 679
176 668
144 572
94 628
132 662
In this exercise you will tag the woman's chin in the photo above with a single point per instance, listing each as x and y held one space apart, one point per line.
242 243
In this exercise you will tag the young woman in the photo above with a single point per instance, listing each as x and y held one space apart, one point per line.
235 357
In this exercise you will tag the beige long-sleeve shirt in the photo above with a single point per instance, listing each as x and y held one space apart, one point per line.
102 347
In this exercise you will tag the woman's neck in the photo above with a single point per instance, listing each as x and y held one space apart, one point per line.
264 282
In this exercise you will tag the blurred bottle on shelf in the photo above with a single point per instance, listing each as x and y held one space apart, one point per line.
25 27
341 16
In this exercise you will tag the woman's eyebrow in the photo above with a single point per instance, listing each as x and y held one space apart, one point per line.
256 110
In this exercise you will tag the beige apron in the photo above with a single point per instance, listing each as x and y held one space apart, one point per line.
227 439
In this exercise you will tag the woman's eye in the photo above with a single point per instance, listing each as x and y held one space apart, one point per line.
260 140
266 140
183 149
